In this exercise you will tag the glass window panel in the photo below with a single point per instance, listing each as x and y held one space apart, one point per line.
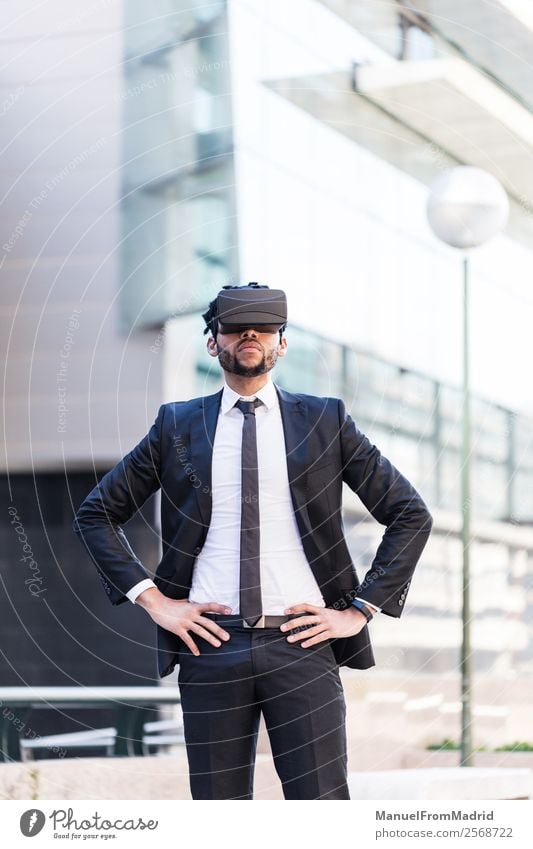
178 222
523 497
489 490
418 424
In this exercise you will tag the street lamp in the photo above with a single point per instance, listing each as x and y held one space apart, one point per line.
466 207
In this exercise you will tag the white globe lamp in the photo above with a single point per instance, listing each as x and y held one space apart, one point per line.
466 207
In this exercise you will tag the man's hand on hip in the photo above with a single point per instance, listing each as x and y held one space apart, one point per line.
325 623
182 616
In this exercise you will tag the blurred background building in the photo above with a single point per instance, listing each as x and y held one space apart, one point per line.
153 152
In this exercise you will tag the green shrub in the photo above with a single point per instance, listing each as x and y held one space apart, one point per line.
448 745
519 746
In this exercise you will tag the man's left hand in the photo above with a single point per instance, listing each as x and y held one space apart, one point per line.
325 623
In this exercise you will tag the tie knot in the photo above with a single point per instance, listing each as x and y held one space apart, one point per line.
248 407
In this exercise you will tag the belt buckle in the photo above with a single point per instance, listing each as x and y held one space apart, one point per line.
259 624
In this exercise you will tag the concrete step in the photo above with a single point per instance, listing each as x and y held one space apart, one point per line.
442 783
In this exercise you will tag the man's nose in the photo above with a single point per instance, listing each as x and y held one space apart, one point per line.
249 331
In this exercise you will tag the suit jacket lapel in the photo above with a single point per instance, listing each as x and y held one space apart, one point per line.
294 416
203 424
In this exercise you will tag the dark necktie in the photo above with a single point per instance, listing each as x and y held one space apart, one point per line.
250 578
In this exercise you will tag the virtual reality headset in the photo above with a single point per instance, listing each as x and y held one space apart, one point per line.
251 306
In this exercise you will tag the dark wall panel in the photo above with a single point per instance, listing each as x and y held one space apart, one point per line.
57 625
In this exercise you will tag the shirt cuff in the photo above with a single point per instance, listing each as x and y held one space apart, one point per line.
139 588
369 604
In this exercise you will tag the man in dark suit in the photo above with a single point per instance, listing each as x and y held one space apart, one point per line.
256 597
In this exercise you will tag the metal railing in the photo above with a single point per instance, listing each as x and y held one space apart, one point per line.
131 736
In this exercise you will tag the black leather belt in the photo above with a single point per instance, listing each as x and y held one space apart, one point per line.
262 622
269 621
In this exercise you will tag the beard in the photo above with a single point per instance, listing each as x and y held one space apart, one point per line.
229 362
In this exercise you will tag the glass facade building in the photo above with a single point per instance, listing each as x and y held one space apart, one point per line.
178 206
291 143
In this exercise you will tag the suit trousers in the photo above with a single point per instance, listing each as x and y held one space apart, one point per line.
298 690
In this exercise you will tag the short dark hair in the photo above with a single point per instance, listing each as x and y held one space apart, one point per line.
210 316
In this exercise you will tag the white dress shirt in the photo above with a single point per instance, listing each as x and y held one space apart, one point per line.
286 577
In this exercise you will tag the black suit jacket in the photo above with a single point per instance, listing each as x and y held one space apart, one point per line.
324 448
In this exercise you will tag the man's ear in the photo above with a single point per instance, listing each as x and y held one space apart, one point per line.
212 347
282 347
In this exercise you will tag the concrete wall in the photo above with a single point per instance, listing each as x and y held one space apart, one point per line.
76 391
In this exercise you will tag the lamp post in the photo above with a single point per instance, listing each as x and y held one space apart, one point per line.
466 207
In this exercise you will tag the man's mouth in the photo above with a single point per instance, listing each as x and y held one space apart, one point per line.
249 348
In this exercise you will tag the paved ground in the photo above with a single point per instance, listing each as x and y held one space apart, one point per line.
167 778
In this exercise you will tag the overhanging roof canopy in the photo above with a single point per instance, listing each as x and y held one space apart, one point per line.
460 110
404 110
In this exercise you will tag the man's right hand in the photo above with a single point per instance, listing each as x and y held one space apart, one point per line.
182 616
